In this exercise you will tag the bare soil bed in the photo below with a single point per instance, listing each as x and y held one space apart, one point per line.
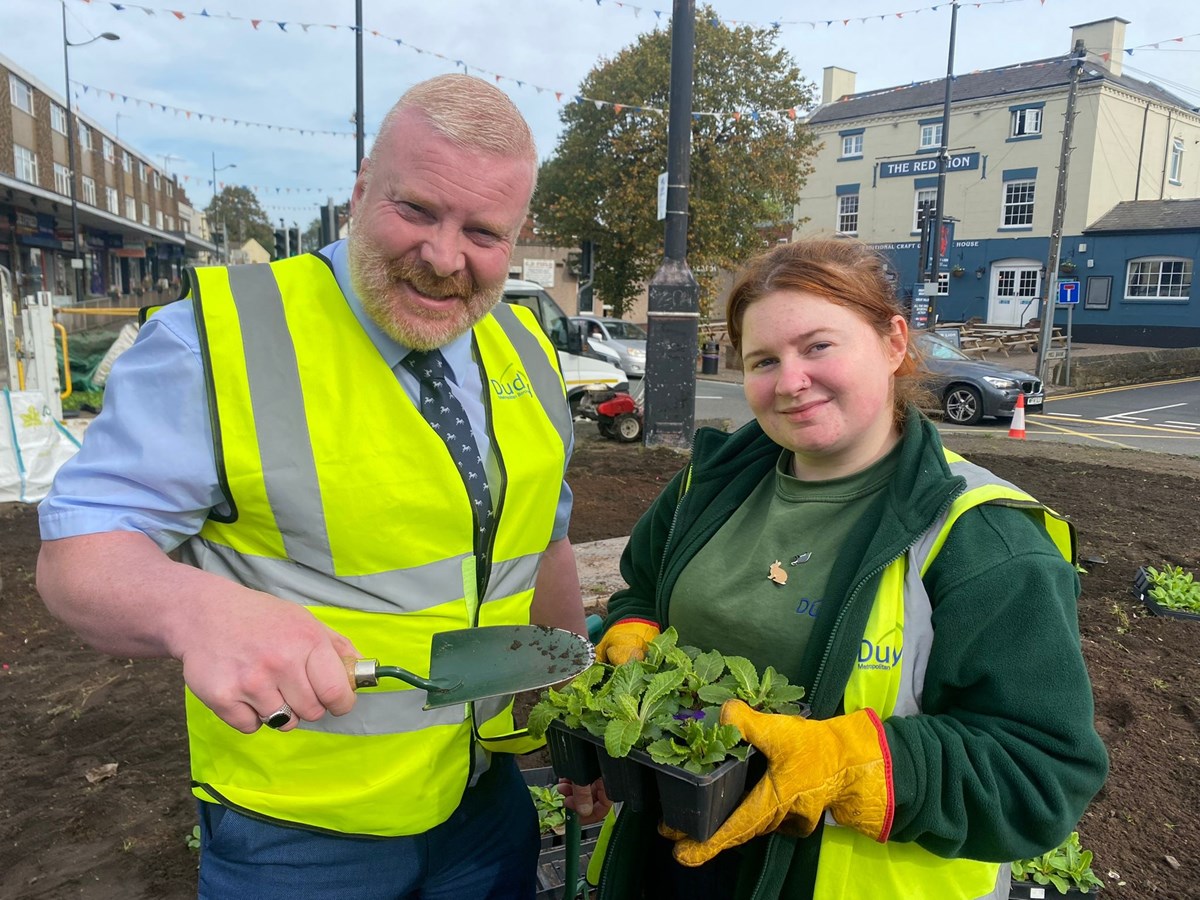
69 827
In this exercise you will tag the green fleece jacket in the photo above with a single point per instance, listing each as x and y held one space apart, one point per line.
1005 756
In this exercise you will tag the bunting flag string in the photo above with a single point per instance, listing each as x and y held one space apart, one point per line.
789 113
1156 45
154 105
257 188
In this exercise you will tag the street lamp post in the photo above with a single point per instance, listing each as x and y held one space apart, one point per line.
77 257
224 252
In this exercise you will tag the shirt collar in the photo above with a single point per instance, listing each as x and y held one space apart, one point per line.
457 353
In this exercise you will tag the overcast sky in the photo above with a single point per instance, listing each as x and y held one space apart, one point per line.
235 78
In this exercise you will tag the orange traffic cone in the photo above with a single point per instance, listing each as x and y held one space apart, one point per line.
1017 428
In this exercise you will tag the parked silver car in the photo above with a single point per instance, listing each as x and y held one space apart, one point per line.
615 339
968 389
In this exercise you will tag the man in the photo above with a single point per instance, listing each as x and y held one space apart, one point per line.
273 428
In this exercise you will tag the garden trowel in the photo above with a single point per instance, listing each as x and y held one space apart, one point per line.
474 663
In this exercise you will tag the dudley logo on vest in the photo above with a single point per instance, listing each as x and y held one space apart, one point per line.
508 387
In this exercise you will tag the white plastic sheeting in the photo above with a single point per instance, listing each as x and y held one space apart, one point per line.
33 444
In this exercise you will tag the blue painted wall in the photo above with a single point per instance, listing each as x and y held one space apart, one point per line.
1153 323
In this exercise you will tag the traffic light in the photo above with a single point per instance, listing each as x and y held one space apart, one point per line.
280 244
294 241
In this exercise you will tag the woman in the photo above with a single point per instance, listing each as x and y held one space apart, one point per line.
927 607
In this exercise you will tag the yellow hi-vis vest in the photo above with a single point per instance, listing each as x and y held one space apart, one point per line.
344 500
889 679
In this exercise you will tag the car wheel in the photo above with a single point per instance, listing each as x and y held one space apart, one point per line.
627 428
963 405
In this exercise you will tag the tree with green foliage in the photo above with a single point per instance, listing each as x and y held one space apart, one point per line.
238 208
748 161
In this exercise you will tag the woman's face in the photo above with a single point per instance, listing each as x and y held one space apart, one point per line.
819 380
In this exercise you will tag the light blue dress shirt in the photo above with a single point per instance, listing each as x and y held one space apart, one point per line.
147 463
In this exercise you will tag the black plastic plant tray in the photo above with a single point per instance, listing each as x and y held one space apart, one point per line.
625 781
1028 890
1141 588
572 753
698 804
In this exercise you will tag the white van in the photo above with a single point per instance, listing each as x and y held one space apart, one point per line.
582 369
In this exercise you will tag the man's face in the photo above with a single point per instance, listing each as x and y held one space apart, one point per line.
433 231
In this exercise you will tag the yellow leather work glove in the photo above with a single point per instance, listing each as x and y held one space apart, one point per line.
840 764
626 640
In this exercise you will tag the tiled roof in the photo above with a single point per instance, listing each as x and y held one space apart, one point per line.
1006 81
1149 215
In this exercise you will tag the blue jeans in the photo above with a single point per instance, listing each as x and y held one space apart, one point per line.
488 848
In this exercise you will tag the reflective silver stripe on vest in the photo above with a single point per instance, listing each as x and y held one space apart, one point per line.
542 373
397 591
918 609
275 395
511 576
388 712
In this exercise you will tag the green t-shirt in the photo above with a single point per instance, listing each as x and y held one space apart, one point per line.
755 588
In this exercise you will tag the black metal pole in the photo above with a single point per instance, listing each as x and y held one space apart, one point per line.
935 239
359 137
674 316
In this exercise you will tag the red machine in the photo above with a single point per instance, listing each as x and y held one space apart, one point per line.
618 416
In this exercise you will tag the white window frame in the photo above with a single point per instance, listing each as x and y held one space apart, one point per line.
158 219
931 136
1176 172
142 171
110 151
62 179
157 181
943 285
112 200
847 213
170 188
58 118
21 93
89 190
131 209
1026 122
1169 277
145 213
85 136
126 162
25 164
926 197
1017 211
852 146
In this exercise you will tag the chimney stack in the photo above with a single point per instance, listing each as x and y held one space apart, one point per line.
838 83
1104 40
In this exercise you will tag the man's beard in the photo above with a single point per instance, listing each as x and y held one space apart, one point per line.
376 279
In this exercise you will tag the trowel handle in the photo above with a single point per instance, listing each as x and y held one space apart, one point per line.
367 672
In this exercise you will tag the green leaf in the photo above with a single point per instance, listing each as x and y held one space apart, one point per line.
716 694
661 685
743 672
619 737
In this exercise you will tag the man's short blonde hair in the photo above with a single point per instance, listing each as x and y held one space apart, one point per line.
472 114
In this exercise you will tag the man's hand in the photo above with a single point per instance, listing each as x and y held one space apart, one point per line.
589 801
840 764
262 653
245 653
626 640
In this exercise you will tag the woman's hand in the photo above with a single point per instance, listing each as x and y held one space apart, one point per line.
588 801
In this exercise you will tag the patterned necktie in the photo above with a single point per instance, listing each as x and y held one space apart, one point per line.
445 415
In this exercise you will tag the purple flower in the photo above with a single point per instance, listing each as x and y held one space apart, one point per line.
684 715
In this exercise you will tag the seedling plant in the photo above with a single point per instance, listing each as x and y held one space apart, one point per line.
1066 866
1174 588
552 815
667 704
